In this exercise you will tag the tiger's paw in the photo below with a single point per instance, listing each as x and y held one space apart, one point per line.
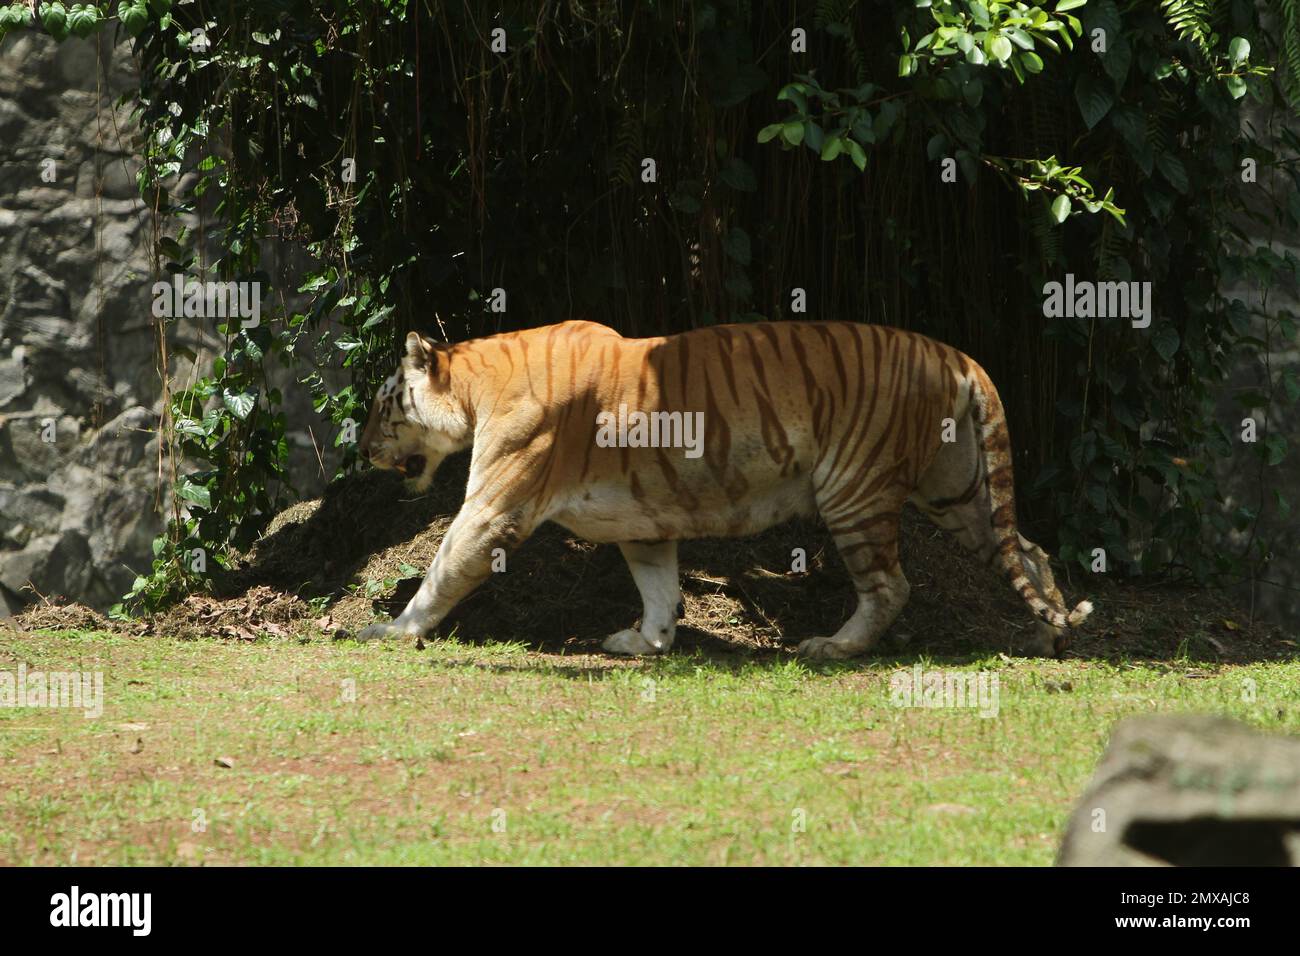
825 649
629 642
384 631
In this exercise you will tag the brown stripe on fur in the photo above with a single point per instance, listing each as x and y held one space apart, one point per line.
995 442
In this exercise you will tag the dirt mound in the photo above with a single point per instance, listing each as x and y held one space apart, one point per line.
51 615
258 612
330 566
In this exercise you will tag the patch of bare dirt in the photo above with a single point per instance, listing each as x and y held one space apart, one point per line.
329 566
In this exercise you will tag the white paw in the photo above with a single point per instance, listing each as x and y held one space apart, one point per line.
629 642
823 649
383 631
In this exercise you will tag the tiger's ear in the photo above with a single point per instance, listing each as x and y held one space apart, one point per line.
418 349
425 355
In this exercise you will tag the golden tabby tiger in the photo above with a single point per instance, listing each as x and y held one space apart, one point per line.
719 432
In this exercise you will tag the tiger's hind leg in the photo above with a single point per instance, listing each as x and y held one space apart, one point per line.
869 547
654 568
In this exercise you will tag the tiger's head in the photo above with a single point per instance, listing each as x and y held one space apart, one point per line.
416 420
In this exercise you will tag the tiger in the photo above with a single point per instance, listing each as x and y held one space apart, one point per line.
841 420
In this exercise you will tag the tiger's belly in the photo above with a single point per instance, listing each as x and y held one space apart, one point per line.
610 512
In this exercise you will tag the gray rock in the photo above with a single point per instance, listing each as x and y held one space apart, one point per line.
63 558
29 512
13 381
1189 790
78 63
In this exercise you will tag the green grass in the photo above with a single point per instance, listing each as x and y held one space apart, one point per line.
585 760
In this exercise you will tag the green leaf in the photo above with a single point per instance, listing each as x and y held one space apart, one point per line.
832 148
770 132
252 349
1239 51
1275 447
188 426
171 248
813 137
969 165
1061 208
793 93
792 132
54 17
858 155
1131 124
1020 38
15 15
133 16
1291 385
1171 167
83 19
1000 49
240 404
1103 15
1166 341
1236 86
1117 60
1065 5
197 494
1094 98
737 246
378 317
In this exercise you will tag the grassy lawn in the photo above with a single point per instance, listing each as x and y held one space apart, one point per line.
496 753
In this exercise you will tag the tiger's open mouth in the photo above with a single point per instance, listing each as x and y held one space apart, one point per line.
412 466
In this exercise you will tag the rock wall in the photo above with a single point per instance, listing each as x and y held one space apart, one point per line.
79 499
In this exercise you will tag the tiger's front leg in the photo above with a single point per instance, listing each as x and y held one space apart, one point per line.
654 569
463 562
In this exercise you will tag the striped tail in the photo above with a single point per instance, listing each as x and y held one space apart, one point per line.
995 446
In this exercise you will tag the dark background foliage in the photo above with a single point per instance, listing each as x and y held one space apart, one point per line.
774 169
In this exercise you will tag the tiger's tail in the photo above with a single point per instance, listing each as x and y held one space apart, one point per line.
995 447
